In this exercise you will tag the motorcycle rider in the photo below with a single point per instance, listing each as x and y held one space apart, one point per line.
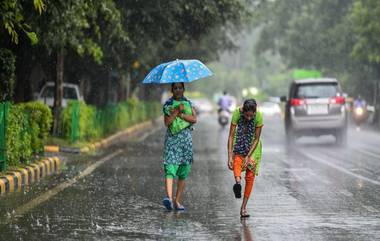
359 111
224 111
224 102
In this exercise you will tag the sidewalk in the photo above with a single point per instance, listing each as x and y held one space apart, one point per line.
103 143
17 179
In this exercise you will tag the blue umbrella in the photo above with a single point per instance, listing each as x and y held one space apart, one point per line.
177 71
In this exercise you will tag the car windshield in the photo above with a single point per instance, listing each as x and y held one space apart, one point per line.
48 92
68 93
317 90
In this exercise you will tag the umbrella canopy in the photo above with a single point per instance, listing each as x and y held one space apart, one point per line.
177 71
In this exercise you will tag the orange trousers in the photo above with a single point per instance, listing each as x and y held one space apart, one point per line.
249 175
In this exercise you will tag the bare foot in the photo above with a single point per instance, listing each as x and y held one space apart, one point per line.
244 213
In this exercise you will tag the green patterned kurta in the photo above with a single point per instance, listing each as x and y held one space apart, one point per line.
178 148
257 153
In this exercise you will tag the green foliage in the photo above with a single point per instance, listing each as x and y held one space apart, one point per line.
33 37
94 123
153 109
39 5
87 115
99 37
18 139
123 116
89 24
366 18
7 73
40 120
339 38
27 130
13 19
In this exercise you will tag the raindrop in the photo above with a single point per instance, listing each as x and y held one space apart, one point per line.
98 227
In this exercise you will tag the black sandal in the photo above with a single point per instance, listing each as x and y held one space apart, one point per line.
237 190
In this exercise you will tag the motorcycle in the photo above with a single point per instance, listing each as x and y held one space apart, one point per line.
224 117
359 115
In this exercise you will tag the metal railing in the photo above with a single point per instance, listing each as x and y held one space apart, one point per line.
4 107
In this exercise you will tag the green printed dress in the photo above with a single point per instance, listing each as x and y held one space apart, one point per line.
178 147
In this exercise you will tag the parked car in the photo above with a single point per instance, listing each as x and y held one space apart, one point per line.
70 92
315 107
270 109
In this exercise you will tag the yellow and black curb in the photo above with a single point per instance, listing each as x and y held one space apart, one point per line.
103 143
17 179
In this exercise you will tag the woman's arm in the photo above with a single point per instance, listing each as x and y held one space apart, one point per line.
230 144
189 118
168 119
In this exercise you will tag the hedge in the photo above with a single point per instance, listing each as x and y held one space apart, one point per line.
96 123
27 129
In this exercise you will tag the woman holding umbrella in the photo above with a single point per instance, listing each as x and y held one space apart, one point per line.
179 116
244 149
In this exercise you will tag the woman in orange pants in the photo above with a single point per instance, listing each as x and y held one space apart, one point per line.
245 149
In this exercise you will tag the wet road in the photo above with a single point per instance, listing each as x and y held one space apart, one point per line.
313 191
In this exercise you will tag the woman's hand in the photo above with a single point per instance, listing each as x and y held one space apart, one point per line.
181 107
230 163
249 161
175 111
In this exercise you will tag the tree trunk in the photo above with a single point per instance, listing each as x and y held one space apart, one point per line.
58 93
121 95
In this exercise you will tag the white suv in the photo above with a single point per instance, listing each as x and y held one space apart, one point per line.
315 107
70 92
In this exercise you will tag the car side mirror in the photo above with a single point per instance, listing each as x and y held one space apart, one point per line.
283 98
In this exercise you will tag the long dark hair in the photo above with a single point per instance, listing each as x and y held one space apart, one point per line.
250 105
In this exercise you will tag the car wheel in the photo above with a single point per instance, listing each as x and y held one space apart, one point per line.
341 137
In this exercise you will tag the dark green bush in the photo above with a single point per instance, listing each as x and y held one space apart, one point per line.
18 138
40 120
27 129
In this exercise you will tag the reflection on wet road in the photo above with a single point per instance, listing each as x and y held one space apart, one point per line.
312 191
